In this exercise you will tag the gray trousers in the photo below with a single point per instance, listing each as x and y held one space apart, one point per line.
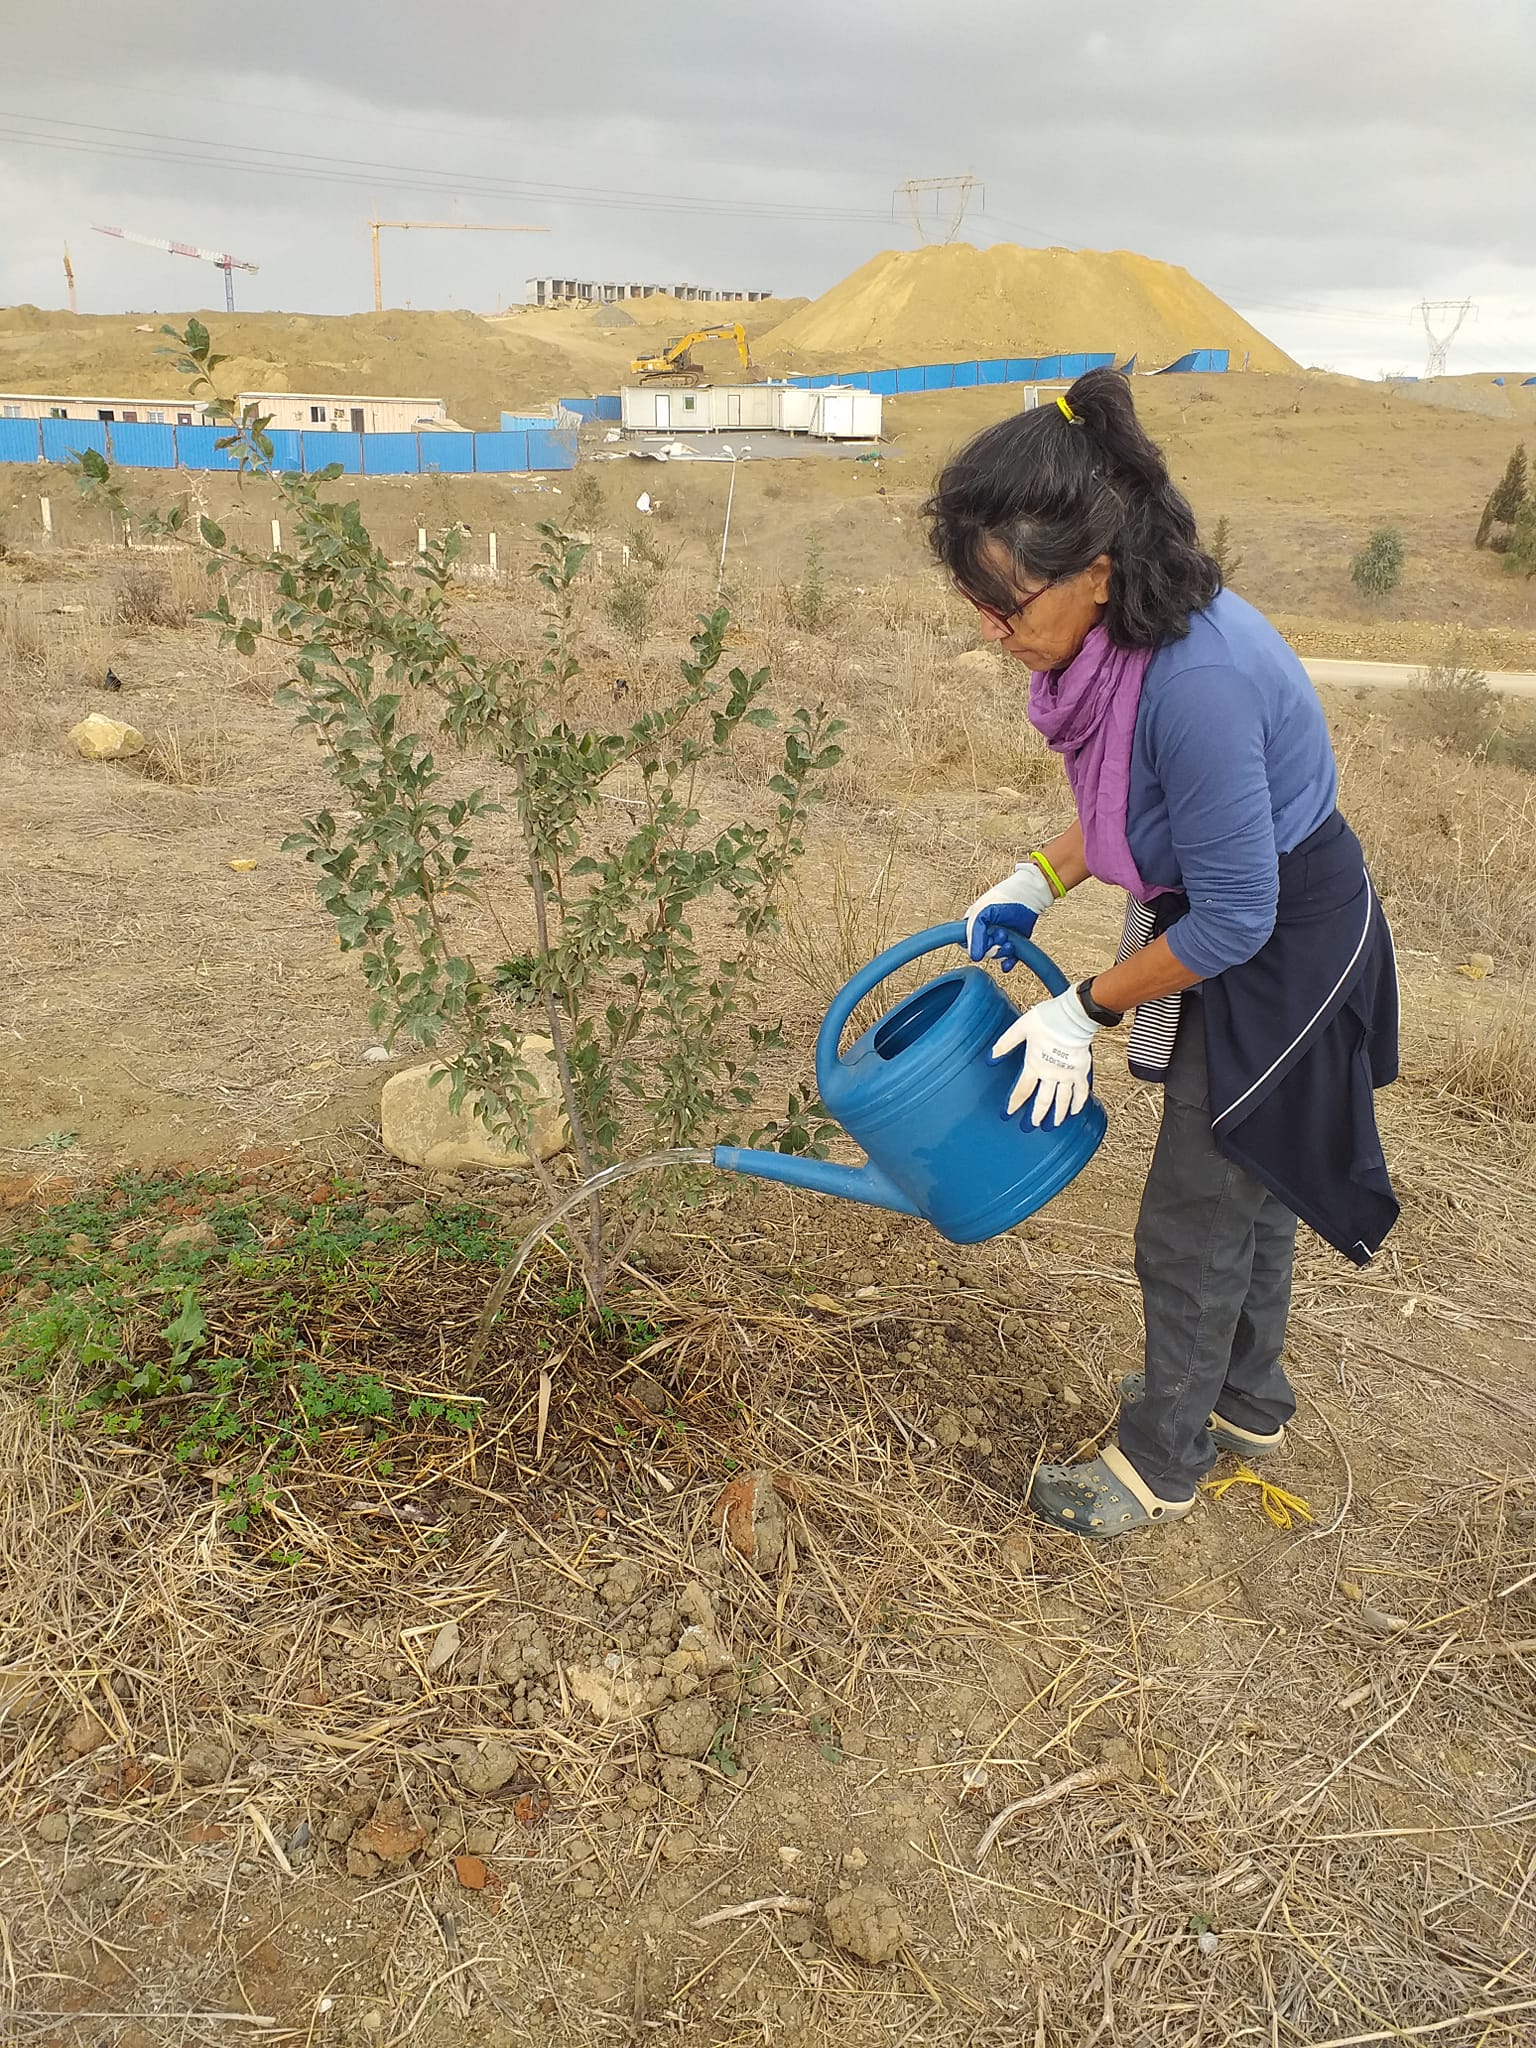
1214 1250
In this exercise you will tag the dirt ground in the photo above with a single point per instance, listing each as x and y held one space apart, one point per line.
508 1741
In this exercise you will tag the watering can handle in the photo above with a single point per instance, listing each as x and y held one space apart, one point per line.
848 998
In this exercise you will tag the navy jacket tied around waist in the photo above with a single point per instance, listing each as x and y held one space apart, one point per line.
1298 1039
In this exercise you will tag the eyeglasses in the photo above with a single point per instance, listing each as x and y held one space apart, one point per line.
1005 619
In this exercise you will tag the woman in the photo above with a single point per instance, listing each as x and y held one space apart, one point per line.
1256 956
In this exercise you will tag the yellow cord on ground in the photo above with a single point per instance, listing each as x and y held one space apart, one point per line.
1281 1507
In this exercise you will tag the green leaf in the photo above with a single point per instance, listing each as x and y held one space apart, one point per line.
213 536
187 1330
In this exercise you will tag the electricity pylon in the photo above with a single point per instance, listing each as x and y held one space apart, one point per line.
951 201
1432 311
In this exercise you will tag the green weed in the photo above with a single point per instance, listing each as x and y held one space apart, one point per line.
209 1351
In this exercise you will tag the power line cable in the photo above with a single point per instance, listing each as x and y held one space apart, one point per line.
250 159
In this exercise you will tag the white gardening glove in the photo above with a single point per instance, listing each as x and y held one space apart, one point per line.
1058 1067
1011 907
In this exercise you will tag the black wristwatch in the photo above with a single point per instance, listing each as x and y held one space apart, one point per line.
1097 1011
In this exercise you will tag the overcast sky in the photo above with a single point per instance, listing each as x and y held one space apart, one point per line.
1324 164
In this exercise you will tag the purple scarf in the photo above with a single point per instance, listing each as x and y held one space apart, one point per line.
1086 712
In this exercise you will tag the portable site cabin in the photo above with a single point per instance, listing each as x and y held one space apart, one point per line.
837 413
359 413
155 412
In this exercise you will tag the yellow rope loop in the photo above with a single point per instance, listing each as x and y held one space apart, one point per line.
1279 1506
1067 413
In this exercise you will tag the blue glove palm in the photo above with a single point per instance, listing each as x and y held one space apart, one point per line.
1008 912
993 931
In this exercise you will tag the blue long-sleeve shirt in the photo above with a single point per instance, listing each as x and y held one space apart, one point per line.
1231 766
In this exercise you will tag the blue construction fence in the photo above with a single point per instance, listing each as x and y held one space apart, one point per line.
1208 362
607 409
541 445
958 376
1057 369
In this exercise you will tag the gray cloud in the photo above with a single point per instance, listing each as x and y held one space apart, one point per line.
1328 162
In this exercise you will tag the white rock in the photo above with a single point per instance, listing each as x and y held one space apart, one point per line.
419 1127
376 1055
105 739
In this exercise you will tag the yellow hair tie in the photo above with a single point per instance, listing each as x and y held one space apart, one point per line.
1067 413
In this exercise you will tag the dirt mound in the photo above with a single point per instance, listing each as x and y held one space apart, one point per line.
926 305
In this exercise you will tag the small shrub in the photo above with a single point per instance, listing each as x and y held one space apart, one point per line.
1462 710
587 501
145 597
630 607
655 1045
643 549
1514 750
1378 568
810 602
1510 493
1519 551
1221 550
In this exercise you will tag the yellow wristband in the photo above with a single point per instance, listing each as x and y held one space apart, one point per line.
1049 873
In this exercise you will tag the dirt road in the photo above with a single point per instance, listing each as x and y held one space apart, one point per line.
1397 675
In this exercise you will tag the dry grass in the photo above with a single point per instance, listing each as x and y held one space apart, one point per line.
1311 1743
166 590
1451 842
200 757
825 939
1493 1064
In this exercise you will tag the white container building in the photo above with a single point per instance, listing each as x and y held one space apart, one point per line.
153 412
310 410
343 412
837 413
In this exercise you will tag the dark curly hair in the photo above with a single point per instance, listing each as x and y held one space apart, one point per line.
1059 492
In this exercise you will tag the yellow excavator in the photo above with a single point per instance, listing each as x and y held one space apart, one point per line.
675 364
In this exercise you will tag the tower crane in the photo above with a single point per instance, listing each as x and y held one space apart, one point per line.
464 227
227 263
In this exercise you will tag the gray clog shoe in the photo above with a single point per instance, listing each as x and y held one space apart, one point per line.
1104 1496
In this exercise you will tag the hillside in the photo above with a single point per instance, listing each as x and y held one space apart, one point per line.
477 364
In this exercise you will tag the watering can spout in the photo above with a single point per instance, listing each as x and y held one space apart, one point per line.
866 1184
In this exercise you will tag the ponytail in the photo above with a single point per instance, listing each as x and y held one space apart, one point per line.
1062 485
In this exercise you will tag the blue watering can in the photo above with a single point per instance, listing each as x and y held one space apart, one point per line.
920 1092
